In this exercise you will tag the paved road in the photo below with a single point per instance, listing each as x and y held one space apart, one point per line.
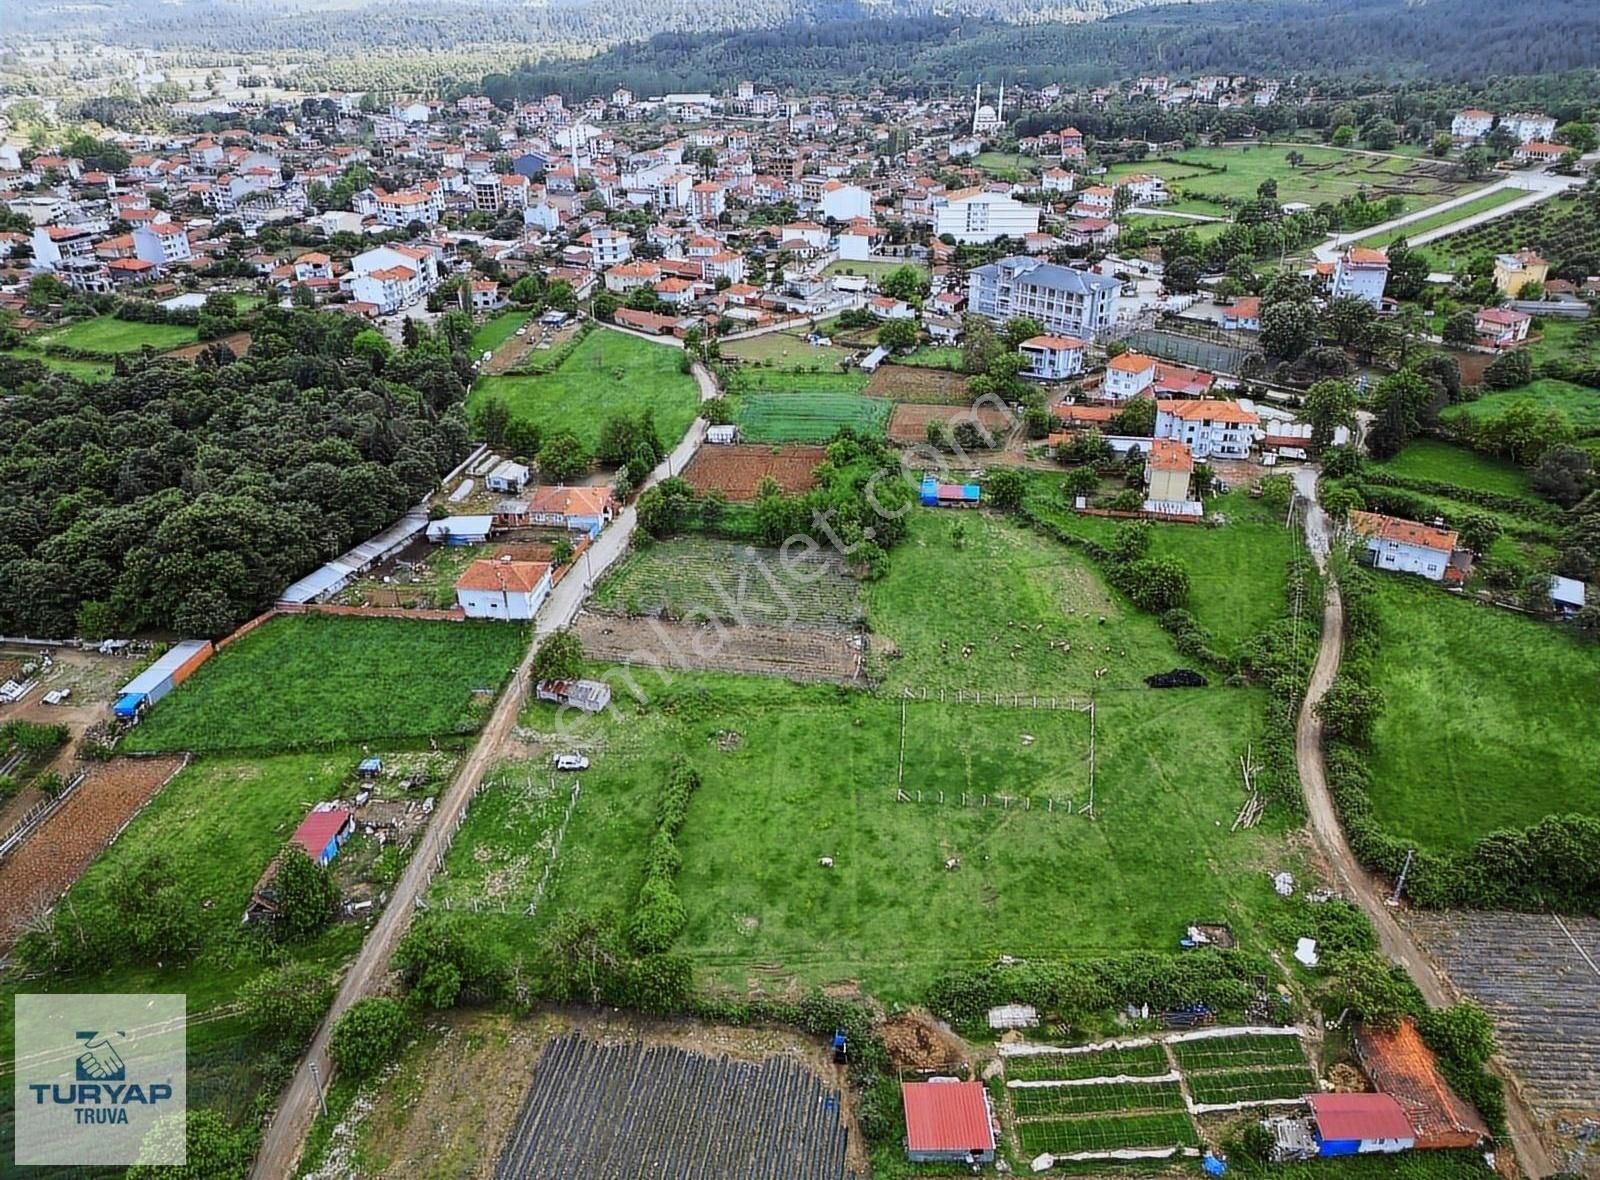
286 1134
1394 939
1539 186
1157 211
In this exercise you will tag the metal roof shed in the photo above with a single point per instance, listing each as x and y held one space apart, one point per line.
168 671
947 1122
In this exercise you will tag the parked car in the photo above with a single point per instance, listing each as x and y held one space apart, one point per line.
571 762
522 331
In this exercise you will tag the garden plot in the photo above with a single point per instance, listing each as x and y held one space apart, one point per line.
808 417
1230 1087
738 470
1236 1051
518 821
1089 1098
1147 1060
790 652
1536 975
1102 1134
920 385
701 579
50 860
909 423
618 1112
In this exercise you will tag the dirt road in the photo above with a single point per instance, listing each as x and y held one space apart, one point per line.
286 1134
1393 938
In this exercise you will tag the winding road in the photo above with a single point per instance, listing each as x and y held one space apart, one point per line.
286 1134
1394 939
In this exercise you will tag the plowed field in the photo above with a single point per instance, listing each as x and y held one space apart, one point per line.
52 858
737 470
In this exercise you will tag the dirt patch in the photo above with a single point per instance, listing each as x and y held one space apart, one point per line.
917 1043
909 423
791 653
238 343
915 383
737 470
56 853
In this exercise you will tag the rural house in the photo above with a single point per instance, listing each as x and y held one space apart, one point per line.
1128 375
1167 472
1405 545
1513 272
1052 358
1501 327
589 695
1403 1067
579 509
503 589
947 1122
324 831
1212 428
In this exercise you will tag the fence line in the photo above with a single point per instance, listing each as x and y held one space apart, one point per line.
1009 700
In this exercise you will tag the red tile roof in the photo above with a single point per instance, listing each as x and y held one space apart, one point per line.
1168 454
1401 1065
516 577
1359 1116
1407 532
947 1116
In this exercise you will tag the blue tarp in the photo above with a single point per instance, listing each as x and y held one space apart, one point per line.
128 704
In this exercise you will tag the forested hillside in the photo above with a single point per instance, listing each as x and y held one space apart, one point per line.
1446 40
186 497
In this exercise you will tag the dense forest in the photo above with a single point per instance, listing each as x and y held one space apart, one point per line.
1443 41
185 497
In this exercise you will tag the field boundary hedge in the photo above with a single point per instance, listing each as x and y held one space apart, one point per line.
660 916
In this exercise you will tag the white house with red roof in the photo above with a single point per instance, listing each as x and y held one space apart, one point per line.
1360 273
1052 358
1211 427
1404 545
1501 327
1128 375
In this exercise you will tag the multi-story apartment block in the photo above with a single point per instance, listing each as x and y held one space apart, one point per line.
1065 301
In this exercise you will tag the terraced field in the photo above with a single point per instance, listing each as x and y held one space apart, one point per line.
619 1112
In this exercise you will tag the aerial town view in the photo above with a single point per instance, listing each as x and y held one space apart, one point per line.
817 590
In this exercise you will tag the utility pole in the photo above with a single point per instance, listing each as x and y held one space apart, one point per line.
1400 882
316 1080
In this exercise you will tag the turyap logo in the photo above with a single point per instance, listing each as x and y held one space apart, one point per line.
94 1075
99 1061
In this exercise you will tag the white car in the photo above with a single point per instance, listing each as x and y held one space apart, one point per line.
571 762
522 331
485 357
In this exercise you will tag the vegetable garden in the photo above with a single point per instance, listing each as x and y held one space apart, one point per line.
618 1112
808 417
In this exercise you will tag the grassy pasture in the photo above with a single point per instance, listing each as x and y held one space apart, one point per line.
607 373
1488 719
109 334
787 350
495 331
1427 458
1580 404
309 681
1472 208
808 417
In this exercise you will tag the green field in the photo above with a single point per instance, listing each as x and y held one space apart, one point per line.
1412 229
788 350
747 379
1580 404
1106 1133
932 356
310 681
1007 165
1134 1061
109 334
1427 458
820 767
1237 572
1327 174
495 331
809 417
1488 720
871 268
607 373
82 370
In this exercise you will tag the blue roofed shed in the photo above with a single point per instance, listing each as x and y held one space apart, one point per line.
949 495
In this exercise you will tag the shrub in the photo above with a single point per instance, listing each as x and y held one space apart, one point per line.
369 1035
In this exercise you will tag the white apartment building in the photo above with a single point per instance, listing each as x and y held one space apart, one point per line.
1128 375
1065 301
1360 273
399 210
164 243
1223 429
974 216
1052 358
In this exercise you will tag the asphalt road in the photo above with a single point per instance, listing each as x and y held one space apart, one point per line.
286 1133
1394 940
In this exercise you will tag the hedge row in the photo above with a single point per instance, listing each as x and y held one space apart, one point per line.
1498 501
1555 862
659 917
1223 980
1392 500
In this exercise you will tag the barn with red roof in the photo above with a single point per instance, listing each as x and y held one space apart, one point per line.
947 1122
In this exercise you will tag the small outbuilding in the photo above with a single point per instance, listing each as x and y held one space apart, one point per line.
947 1122
591 696
949 495
722 435
507 476
169 670
324 831
460 530
1359 1124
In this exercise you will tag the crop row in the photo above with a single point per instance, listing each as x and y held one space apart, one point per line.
620 1112
1118 1097
1134 1062
1063 1136
1251 1085
1226 1052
